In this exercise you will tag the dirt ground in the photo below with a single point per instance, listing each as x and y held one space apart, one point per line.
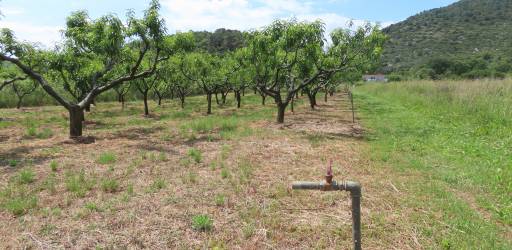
161 188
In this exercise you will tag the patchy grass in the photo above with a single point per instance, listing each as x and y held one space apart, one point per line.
26 176
202 222
242 179
107 158
109 185
195 155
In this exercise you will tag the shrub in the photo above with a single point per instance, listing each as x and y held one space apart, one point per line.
202 223
195 155
107 158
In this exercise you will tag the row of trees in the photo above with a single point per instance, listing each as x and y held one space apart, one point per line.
278 61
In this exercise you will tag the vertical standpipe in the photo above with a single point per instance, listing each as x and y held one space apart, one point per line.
355 194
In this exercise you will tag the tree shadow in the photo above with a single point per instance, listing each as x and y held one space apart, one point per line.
135 133
19 157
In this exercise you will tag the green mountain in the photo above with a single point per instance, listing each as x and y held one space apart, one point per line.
463 30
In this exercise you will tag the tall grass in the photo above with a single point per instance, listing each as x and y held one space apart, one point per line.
459 135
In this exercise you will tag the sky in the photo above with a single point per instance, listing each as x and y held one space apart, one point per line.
42 21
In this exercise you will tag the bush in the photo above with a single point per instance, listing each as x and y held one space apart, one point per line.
202 223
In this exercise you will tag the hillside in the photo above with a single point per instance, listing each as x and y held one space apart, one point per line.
463 29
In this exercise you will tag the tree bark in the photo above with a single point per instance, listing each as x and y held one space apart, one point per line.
18 105
146 109
223 96
325 96
291 107
263 97
122 102
238 99
281 108
312 100
76 117
217 99
182 100
209 98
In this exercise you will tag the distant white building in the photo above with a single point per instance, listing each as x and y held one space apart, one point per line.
375 78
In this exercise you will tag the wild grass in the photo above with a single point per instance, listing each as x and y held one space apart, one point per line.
457 134
106 158
195 155
78 183
202 222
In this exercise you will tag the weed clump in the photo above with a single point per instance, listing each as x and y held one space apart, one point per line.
107 158
195 154
202 223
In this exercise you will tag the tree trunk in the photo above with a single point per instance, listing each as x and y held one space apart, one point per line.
238 99
217 99
281 108
146 109
76 117
243 92
223 96
325 96
312 100
18 105
291 107
209 98
122 102
263 97
159 100
182 100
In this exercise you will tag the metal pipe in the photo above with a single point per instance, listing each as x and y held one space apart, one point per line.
355 193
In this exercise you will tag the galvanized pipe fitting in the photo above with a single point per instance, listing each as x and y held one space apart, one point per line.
355 193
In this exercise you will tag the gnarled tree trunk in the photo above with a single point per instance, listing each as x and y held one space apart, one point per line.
209 99
76 118
146 108
281 108
238 99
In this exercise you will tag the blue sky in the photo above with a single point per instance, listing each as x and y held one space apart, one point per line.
41 21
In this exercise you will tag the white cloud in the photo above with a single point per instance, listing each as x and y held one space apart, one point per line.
46 35
184 15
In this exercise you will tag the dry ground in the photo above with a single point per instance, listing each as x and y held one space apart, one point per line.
241 181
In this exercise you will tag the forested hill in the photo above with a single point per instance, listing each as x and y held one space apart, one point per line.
459 31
